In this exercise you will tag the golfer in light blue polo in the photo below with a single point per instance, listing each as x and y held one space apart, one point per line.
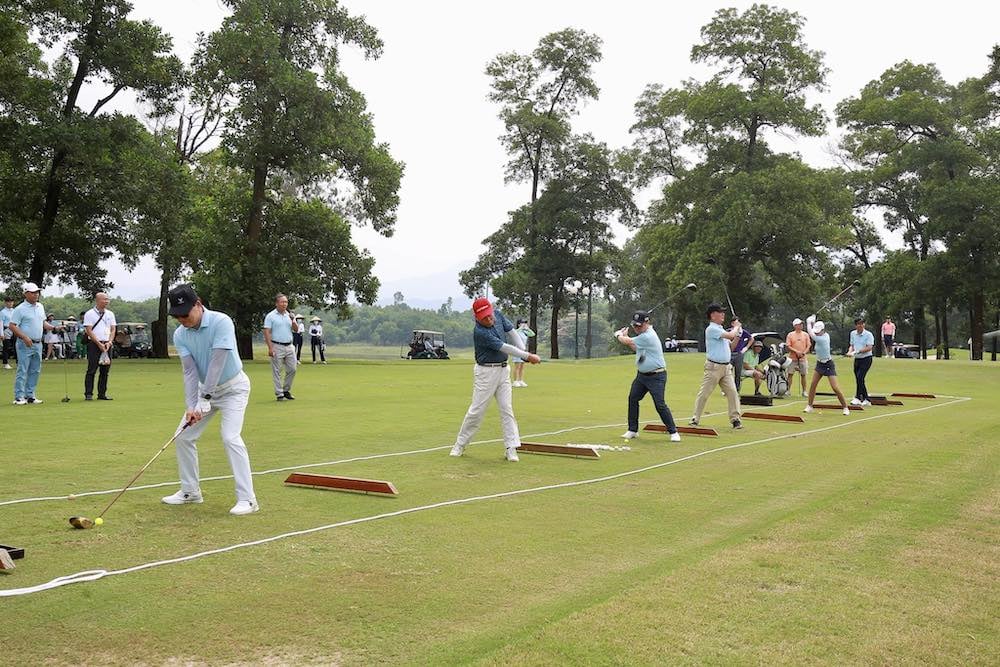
214 382
27 324
278 329
650 376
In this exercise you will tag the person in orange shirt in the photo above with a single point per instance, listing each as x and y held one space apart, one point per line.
798 345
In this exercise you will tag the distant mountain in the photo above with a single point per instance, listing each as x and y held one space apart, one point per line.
427 291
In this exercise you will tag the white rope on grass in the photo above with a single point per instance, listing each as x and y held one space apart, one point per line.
368 457
94 575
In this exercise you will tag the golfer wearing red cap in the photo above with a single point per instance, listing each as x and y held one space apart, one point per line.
495 339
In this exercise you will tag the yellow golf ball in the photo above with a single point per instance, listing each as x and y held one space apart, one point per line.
98 521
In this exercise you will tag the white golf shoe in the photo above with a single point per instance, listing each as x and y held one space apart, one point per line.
511 454
809 408
866 403
20 401
183 497
855 401
33 400
675 437
847 412
245 507
630 435
457 450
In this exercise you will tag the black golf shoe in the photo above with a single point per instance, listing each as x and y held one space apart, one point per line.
288 396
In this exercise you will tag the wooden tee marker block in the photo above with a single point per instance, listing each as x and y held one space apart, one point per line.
689 430
883 401
334 483
778 418
905 395
559 450
827 406
756 400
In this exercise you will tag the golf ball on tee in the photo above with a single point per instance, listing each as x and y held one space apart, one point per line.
98 521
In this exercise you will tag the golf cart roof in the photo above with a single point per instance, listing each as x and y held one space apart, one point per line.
766 336
138 325
424 331
683 341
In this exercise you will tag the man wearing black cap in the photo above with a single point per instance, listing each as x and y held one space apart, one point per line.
650 377
719 345
214 382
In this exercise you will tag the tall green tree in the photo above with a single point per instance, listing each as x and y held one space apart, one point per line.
75 169
304 142
922 148
538 94
766 218
572 219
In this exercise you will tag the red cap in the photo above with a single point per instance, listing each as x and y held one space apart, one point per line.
481 308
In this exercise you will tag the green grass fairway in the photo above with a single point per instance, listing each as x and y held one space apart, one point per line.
871 539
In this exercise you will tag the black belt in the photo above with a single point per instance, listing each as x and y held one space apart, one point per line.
501 364
656 372
280 343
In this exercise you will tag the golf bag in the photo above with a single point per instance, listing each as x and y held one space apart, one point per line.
777 373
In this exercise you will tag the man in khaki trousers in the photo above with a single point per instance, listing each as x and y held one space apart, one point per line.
719 345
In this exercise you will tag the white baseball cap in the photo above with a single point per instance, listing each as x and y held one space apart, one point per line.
30 287
818 326
796 321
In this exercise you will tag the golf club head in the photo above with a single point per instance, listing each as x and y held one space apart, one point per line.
65 399
691 286
856 283
81 522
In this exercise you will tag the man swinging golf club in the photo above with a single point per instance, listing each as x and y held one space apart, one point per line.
719 345
495 339
214 382
650 376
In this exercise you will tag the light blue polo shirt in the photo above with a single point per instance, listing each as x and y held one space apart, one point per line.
5 314
280 326
29 319
860 340
216 332
648 351
716 347
822 346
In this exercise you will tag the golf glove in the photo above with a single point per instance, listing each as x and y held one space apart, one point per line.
204 406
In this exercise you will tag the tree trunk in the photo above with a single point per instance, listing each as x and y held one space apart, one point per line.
920 331
160 327
554 325
996 324
533 323
590 310
944 333
938 352
244 345
978 323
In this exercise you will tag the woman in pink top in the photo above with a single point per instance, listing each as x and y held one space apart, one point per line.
888 335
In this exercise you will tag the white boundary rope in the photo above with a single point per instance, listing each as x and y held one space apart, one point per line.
94 575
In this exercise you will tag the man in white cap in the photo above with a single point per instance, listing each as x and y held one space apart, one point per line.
824 363
494 340
27 324
214 383
798 343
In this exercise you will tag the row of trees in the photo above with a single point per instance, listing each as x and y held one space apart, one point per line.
732 210
254 160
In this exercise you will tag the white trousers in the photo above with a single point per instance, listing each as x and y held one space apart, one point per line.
229 401
490 382
284 356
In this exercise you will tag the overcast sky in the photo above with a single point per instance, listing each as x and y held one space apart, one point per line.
428 96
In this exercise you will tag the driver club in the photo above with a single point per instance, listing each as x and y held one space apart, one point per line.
839 294
711 261
690 286
65 398
83 522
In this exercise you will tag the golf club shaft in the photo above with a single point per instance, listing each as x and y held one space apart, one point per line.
834 299
689 286
143 468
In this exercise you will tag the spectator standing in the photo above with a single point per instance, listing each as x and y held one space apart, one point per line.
297 337
524 332
99 327
888 336
798 343
316 341
278 329
8 337
51 338
27 323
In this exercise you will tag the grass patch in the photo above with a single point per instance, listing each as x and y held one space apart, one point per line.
875 542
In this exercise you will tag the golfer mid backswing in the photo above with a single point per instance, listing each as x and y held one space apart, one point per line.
824 363
719 346
214 383
495 339
650 376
